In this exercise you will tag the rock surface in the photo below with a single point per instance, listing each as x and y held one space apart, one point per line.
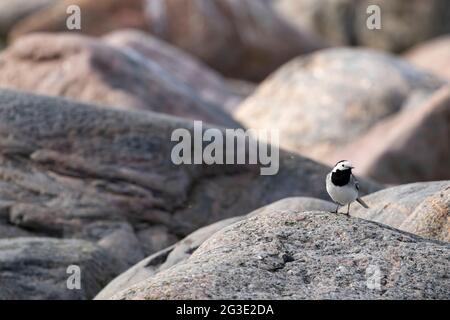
13 11
92 71
181 251
36 268
305 255
406 147
326 100
344 22
97 17
10 231
330 19
433 55
79 171
207 83
242 39
420 208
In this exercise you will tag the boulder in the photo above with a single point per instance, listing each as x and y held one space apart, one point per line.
13 11
330 19
345 22
305 255
80 171
421 208
118 238
10 231
38 269
181 251
97 17
325 100
242 39
409 146
404 23
90 70
433 55
155 238
206 82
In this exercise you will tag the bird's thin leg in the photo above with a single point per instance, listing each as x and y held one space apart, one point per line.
337 208
348 209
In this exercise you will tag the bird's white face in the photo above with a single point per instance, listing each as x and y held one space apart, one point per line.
343 165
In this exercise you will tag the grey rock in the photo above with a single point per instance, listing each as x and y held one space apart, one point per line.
36 268
305 255
330 19
11 231
433 55
409 146
98 17
328 99
412 22
241 39
79 171
118 238
154 239
420 208
181 251
13 11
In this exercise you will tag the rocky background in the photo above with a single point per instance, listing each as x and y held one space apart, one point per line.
86 177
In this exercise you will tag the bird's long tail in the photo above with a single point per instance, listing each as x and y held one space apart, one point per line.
361 202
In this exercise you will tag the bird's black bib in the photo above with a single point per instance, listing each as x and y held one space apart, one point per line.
341 177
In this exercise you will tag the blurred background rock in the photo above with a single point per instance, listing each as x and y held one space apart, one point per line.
86 117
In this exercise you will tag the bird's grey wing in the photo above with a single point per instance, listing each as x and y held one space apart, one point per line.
355 182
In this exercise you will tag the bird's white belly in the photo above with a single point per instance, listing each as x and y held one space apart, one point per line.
342 195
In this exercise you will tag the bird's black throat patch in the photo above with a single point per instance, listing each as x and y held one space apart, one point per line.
341 177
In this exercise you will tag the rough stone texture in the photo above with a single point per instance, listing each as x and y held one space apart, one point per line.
330 19
261 40
344 22
433 55
328 99
73 170
420 208
305 255
97 17
13 11
36 268
90 70
183 250
207 83
407 147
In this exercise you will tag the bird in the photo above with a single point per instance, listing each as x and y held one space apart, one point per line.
343 187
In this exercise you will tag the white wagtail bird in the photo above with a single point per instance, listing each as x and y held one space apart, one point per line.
342 186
